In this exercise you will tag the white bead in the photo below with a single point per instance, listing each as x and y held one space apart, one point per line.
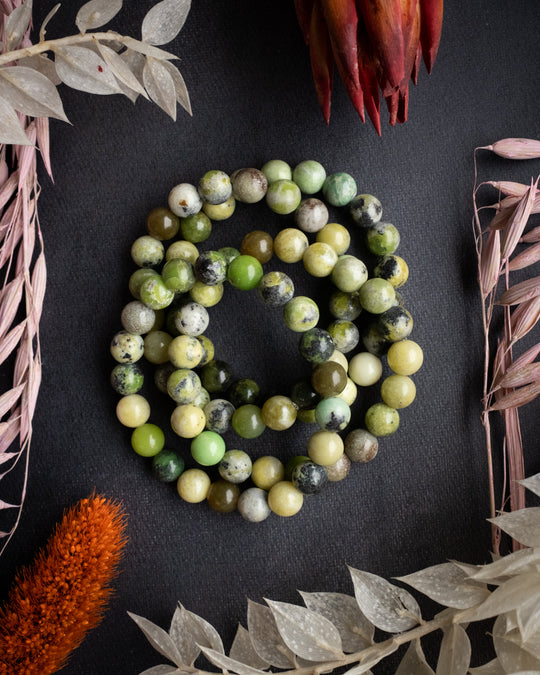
184 200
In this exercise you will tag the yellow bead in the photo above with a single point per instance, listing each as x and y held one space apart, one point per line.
336 236
185 351
339 357
279 413
405 357
193 485
133 410
365 369
290 245
220 211
156 347
267 471
325 447
205 295
398 391
284 499
184 250
319 259
188 420
350 392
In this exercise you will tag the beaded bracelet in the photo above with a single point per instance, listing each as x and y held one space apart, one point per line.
325 399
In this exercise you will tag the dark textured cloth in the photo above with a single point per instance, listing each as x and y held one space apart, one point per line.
424 499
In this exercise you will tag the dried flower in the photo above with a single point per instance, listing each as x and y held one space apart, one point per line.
62 595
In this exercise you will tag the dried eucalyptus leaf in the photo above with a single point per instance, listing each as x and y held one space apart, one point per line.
364 667
121 70
388 607
43 65
81 68
158 638
17 24
522 525
507 643
202 632
182 95
306 633
528 619
414 662
30 92
342 610
455 653
508 596
532 483
97 13
11 131
523 560
492 668
164 21
181 636
447 585
242 650
160 86
147 50
265 637
161 670
226 663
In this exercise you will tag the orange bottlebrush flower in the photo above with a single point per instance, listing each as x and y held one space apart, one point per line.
63 593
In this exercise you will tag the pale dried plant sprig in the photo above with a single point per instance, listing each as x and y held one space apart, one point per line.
337 630
508 384
99 63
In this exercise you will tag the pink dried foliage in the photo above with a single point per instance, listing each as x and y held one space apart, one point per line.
514 382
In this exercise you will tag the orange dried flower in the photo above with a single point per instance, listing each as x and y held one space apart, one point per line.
63 593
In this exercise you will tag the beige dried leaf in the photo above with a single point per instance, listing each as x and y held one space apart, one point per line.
517 398
242 650
521 292
518 222
522 525
490 262
455 653
524 318
516 148
509 188
414 662
531 236
526 258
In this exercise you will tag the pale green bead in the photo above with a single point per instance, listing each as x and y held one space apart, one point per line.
309 175
301 314
283 196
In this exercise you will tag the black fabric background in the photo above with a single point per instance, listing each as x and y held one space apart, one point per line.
424 499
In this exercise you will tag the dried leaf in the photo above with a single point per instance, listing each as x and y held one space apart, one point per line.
10 398
182 637
161 670
160 86
265 637
31 92
164 21
522 525
97 13
490 262
202 632
17 24
388 607
518 222
81 68
447 585
524 318
182 95
414 662
44 65
242 650
517 398
507 643
516 148
158 638
528 618
365 665
455 653
521 376
147 50
11 131
228 664
496 572
121 70
529 256
521 292
342 610
306 633
492 668
508 596
532 483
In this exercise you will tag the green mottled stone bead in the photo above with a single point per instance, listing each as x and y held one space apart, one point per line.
208 350
276 169
276 289
183 385
392 268
147 251
382 238
361 445
309 175
339 189
366 210
283 196
332 414
155 293
381 420
219 414
215 187
178 275
345 306
127 378
301 314
395 324
249 185
196 228
316 345
211 267
245 272
349 273
247 421
127 347
303 395
373 341
235 466
137 279
377 295
167 466
345 335
216 376
229 253
243 391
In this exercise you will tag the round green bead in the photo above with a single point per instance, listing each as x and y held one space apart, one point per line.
301 314
137 279
245 272
377 295
276 169
162 223
196 228
183 385
167 465
235 466
127 378
283 196
147 251
382 238
229 253
211 267
332 414
345 335
381 420
276 289
345 305
216 376
339 189
247 421
395 324
303 395
208 448
178 275
392 268
316 345
155 293
349 273
215 187
147 440
309 176
243 391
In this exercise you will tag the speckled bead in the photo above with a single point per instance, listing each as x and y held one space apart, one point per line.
316 345
361 445
344 334
309 478
392 268
332 414
202 398
373 340
155 294
249 185
127 378
301 314
279 413
335 235
215 187
196 228
275 289
253 505
185 351
211 268
290 245
382 420
219 414
339 189
243 392
235 466
276 169
137 318
319 259
184 200
377 295
167 466
247 421
349 273
338 470
283 196
382 238
346 306
311 215
309 175
395 324
162 223
365 210
147 251
127 347
183 385
216 376
208 350
329 379
192 319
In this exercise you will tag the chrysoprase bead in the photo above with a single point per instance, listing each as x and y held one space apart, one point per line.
253 505
205 295
329 379
382 238
275 289
284 499
361 445
283 196
215 187
319 259
183 385
332 414
243 391
276 169
155 293
137 318
290 245
249 185
208 448
193 485
185 351
156 347
127 378
392 268
309 478
301 314
338 470
167 466
339 189
137 279
316 345
132 410
345 335
223 496
219 414
184 200
245 272
345 305
185 250
366 210
382 420
325 447
405 357
188 420
147 251
147 440
220 211
377 295
258 244
247 421
216 376
211 268
192 319
267 471
336 236
349 273
365 369
162 223
395 324
279 413
398 391
309 175
311 215
235 466
127 347
178 275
